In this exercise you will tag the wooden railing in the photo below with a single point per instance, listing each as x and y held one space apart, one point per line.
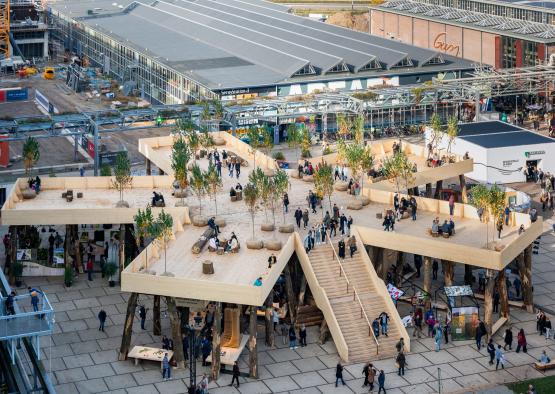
356 297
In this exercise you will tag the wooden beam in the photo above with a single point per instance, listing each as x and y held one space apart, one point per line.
156 325
216 339
128 326
253 347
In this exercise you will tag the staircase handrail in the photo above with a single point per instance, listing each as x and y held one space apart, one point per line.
355 295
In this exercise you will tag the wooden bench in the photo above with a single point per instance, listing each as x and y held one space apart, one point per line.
544 366
149 353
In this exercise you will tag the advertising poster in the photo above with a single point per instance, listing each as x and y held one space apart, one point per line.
464 321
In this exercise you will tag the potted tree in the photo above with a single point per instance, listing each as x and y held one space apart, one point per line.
122 177
251 196
110 270
143 227
253 134
344 126
213 184
263 186
323 181
162 231
179 159
306 143
198 183
31 154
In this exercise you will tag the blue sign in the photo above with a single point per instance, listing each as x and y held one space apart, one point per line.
17 95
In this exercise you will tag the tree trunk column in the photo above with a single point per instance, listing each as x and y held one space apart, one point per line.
175 322
427 280
253 348
156 325
128 326
468 274
439 186
526 278
448 272
464 193
67 245
270 337
148 167
428 190
488 300
121 250
503 295
216 340
291 300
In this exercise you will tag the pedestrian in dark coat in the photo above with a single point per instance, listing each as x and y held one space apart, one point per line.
339 374
341 249
102 319
142 315
298 217
236 374
508 339
521 341
381 382
491 351
400 363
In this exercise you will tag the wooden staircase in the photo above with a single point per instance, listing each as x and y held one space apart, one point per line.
346 305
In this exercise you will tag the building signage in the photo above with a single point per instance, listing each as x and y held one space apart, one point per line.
235 91
509 163
440 42
534 153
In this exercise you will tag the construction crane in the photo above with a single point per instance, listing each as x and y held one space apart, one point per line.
4 29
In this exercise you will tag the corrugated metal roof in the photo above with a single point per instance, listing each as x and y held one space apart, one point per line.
250 42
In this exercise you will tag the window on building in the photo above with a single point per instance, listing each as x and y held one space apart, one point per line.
306 70
338 68
371 65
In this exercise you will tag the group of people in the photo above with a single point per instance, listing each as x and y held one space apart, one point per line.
400 207
230 245
448 227
34 184
305 169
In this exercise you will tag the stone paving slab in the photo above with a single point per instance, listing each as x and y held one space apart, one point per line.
308 379
284 383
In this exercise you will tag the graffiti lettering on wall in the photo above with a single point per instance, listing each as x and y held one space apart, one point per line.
440 43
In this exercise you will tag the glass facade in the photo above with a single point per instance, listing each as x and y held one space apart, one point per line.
159 82
510 57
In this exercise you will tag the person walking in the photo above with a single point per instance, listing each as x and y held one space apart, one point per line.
508 337
166 369
302 335
236 374
500 358
10 299
203 385
417 264
491 351
305 218
298 217
286 202
102 319
352 245
34 299
496 302
435 267
400 360
339 374
90 270
341 249
292 338
437 337
142 316
521 341
366 373
376 327
451 204
479 335
384 320
381 382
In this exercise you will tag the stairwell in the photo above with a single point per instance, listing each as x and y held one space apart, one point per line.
346 306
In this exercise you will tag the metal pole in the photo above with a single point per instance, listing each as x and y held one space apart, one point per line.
439 380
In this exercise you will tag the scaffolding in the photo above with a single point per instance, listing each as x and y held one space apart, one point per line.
4 29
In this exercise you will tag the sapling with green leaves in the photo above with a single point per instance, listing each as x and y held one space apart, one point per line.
30 154
250 197
179 159
323 181
162 230
143 226
213 184
198 183
122 177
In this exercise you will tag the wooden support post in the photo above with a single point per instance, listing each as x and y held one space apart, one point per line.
121 250
291 299
399 268
216 339
428 190
324 332
503 295
468 274
488 300
148 167
270 336
253 348
448 272
128 326
464 192
67 245
427 280
439 186
302 290
156 325
175 322
525 271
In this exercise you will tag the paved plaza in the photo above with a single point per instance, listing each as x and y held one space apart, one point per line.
83 359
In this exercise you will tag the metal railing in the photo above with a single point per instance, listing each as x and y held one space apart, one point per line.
356 297
24 324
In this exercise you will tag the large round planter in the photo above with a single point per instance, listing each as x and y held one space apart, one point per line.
219 141
295 174
28 194
286 228
272 244
308 178
122 204
364 200
220 222
255 244
199 221
354 205
269 172
267 227
181 194
180 203
341 186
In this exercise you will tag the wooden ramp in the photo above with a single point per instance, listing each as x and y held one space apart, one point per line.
353 312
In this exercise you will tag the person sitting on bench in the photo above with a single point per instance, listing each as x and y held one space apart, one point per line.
212 224
544 359
232 192
213 244
452 226
435 226
158 199
445 228
238 187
